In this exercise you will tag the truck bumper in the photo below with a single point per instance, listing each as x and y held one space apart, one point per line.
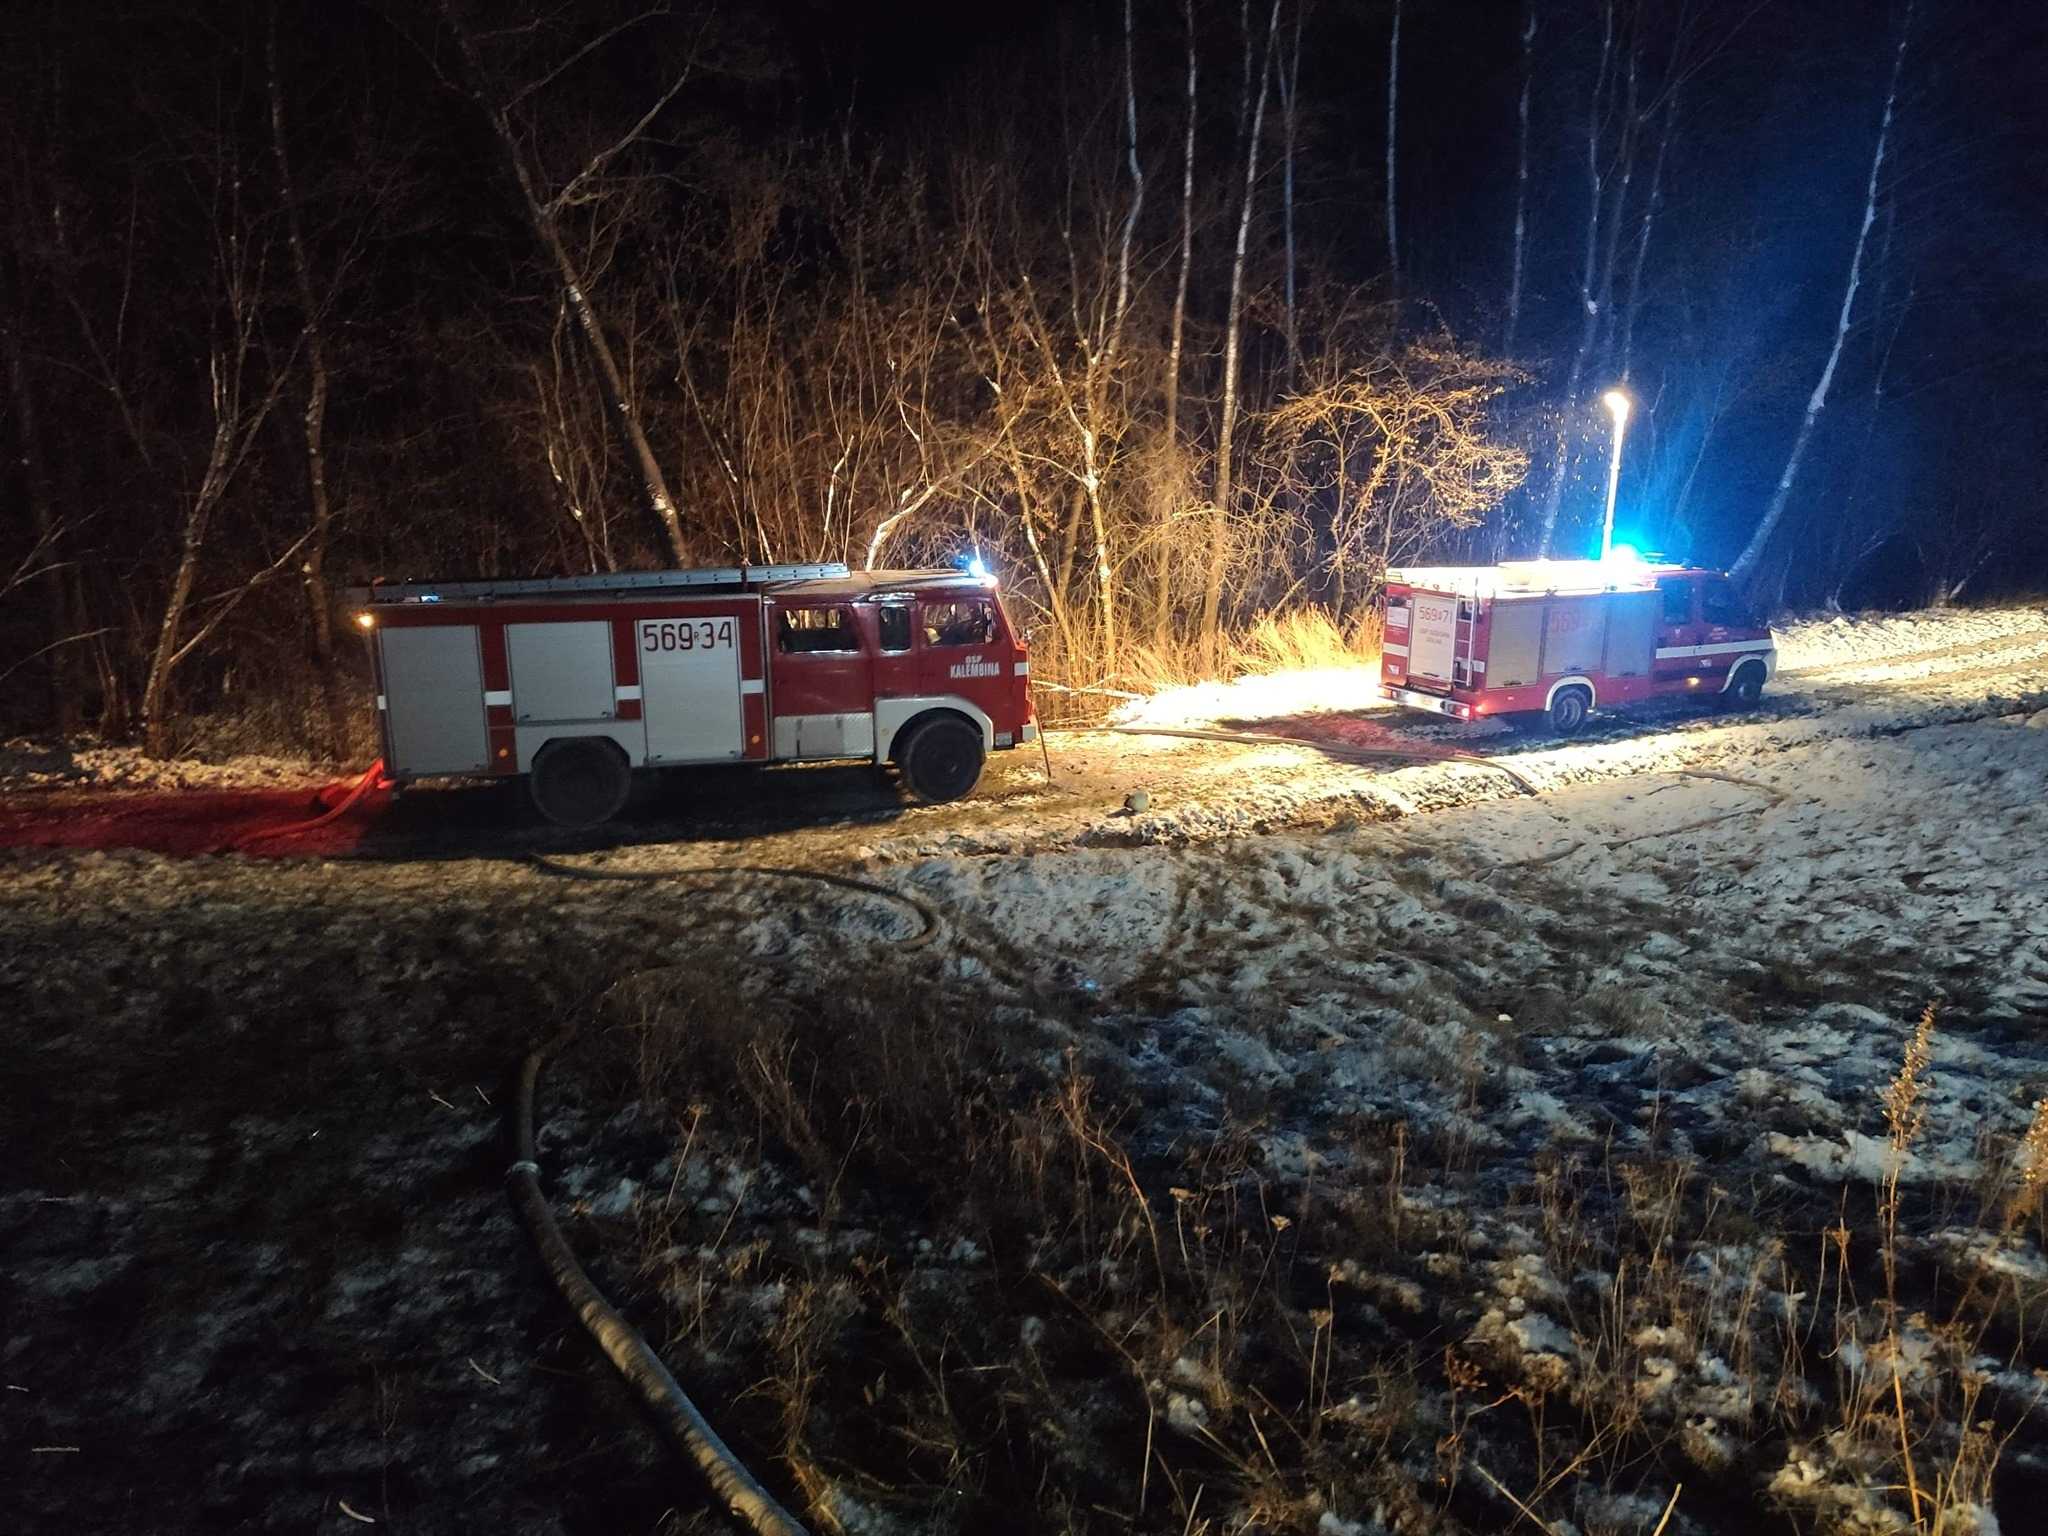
1408 698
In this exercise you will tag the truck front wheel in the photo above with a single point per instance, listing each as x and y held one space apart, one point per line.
1568 711
580 782
1745 690
941 759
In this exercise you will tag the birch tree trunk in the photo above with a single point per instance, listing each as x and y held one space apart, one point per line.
1589 301
1746 564
1521 176
1393 103
1162 608
237 421
312 337
542 215
1102 365
1290 77
235 428
1651 205
1233 336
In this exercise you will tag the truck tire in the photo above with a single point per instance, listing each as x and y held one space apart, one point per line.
579 782
1568 711
941 759
1746 689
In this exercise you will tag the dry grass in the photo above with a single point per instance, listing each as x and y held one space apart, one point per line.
1297 639
1306 639
965 1286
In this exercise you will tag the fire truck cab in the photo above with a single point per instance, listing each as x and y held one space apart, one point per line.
1551 640
576 682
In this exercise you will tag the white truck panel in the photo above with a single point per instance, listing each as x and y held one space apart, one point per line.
1432 635
1632 620
561 670
1514 644
1574 634
434 692
825 736
690 689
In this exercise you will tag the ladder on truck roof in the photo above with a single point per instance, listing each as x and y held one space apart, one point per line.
734 578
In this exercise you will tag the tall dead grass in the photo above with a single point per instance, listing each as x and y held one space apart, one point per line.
1073 689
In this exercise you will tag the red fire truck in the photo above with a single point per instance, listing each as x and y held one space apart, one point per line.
577 681
1551 640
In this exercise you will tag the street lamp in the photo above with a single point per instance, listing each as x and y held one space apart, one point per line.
1617 404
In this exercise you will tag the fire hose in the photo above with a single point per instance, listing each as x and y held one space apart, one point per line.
372 778
679 1417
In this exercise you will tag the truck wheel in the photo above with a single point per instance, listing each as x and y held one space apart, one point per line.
1745 691
580 782
1568 711
941 759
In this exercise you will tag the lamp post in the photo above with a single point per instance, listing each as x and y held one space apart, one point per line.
1617 404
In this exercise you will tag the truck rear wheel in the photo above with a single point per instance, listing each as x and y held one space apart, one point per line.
941 759
1568 711
580 782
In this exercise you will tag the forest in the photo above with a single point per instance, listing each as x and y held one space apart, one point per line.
1183 316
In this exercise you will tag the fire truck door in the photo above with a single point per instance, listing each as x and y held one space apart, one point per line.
895 659
1631 634
1678 628
1432 636
434 692
690 688
822 683
1574 635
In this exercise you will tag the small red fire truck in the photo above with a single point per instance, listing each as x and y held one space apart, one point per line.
577 681
1550 640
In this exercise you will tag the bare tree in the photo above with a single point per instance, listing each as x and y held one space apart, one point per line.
543 212
1233 339
1652 204
1393 114
1162 608
1521 174
1590 282
1746 564
1290 80
313 346
239 403
1403 447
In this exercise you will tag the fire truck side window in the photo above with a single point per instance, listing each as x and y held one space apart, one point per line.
801 631
1720 605
964 623
1677 601
894 622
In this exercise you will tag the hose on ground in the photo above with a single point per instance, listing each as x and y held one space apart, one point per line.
926 915
1773 799
1349 751
372 777
680 1418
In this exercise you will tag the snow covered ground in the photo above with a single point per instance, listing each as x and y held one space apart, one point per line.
89 764
1454 1100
